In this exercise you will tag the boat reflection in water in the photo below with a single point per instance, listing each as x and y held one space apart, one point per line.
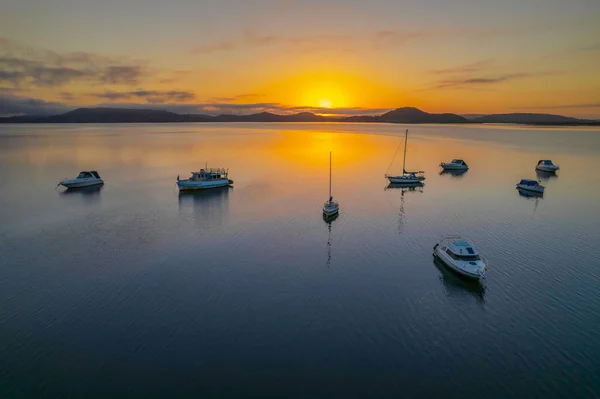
329 220
545 176
454 174
89 194
457 286
404 188
206 205
529 194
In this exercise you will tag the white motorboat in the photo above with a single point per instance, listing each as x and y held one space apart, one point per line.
460 256
84 179
405 177
455 164
331 208
205 179
530 185
546 165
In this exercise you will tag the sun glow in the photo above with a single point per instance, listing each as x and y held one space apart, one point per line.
325 103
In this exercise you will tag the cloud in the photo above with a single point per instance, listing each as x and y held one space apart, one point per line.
394 38
122 75
66 96
150 96
566 106
22 66
312 43
468 68
237 98
249 108
592 47
384 38
489 80
15 105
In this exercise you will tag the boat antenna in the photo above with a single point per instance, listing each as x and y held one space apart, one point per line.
404 161
329 175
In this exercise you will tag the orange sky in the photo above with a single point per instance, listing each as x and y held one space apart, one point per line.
339 57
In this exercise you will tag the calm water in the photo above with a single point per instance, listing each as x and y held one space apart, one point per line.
132 290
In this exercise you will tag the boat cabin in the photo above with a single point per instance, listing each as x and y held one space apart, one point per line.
459 162
462 250
545 162
88 175
210 174
527 182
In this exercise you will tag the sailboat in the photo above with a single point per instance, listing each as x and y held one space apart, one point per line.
406 177
331 207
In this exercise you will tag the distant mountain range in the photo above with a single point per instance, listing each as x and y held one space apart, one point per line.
400 115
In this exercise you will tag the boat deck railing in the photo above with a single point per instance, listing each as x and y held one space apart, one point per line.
213 170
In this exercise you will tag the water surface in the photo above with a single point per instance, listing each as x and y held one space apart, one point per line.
133 290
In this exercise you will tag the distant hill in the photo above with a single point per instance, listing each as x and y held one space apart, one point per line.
114 115
472 116
109 115
399 115
415 115
523 118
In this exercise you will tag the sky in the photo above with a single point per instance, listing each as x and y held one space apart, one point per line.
330 56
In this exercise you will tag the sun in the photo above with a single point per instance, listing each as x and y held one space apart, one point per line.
325 103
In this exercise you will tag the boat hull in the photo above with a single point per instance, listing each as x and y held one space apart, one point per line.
444 259
451 166
330 211
533 189
75 183
547 168
404 179
187 185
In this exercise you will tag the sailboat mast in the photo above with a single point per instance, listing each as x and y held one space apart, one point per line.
404 161
330 175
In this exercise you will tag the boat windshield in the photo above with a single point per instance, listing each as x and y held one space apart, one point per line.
83 175
527 182
465 258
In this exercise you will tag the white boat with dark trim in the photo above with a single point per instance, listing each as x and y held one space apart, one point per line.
331 208
405 177
546 165
530 185
205 179
84 179
460 256
455 164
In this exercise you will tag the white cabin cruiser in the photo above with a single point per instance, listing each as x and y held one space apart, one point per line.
460 256
204 179
456 164
546 165
84 179
530 185
331 208
405 177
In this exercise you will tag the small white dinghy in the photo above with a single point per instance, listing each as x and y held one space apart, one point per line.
84 179
546 165
331 208
455 164
460 256
530 185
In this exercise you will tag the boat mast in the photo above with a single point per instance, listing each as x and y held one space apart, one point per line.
404 161
329 175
